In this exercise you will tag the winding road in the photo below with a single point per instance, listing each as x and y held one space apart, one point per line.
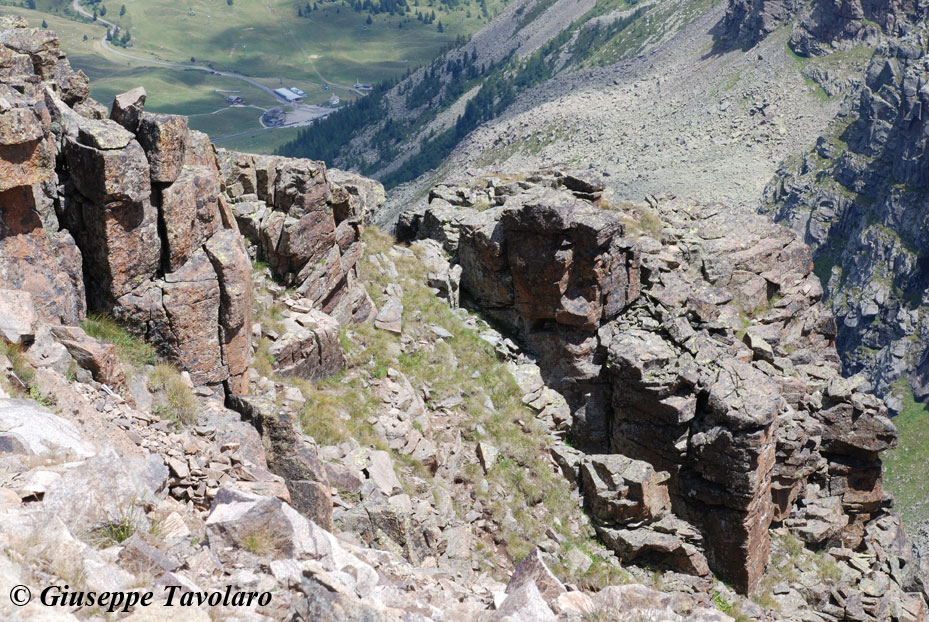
109 48
76 5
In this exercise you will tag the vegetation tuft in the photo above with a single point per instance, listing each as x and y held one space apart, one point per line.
134 352
174 399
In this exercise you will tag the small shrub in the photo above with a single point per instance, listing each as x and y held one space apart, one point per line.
118 528
721 603
24 373
828 569
260 543
44 400
117 532
793 545
177 401
263 361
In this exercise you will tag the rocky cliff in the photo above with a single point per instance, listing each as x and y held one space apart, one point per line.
857 198
660 376
819 26
687 336
131 213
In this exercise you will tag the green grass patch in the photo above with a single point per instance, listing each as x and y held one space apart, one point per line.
19 384
174 399
134 352
905 475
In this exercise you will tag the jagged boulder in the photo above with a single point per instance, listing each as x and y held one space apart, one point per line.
622 490
305 226
309 347
706 351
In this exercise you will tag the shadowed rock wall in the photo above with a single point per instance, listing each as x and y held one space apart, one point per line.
696 336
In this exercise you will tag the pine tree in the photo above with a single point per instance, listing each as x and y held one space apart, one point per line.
44 24
440 28
122 10
102 10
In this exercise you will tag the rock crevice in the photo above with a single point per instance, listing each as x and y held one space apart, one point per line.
698 347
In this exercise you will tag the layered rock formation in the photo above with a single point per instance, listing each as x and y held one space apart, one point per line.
304 226
553 271
35 255
826 26
701 346
747 22
130 215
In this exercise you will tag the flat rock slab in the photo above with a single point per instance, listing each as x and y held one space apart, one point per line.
36 431
390 317
17 316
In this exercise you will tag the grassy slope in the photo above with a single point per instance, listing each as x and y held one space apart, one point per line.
524 493
906 475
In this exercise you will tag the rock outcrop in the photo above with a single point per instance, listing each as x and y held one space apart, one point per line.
703 349
819 26
305 227
857 198
827 26
130 215
747 22
553 271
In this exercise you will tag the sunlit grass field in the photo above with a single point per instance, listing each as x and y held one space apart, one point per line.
263 39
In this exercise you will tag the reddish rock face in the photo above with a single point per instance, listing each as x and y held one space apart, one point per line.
33 261
121 247
190 212
226 251
553 267
111 174
191 301
564 261
26 155
307 228
164 139
647 342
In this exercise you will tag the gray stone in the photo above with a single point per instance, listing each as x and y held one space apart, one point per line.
107 488
39 432
17 316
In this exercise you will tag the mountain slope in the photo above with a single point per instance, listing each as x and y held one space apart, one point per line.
413 126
